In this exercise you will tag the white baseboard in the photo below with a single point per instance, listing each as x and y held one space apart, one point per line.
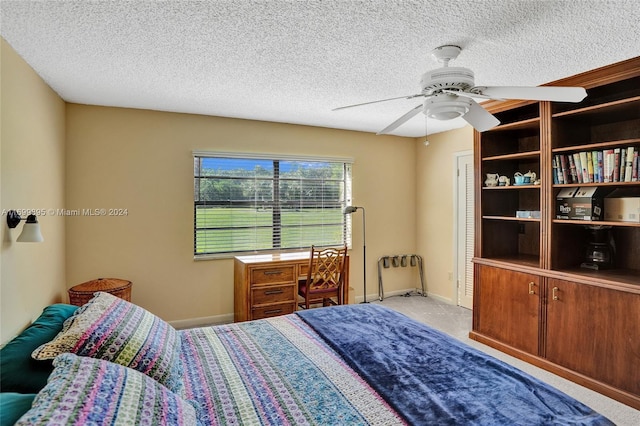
228 318
440 298
202 321
403 292
373 297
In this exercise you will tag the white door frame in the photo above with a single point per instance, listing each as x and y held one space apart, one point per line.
456 219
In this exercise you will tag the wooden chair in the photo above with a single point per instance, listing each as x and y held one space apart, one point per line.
325 278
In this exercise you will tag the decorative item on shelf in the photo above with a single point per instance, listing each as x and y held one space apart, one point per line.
31 229
528 214
600 249
504 181
524 179
492 179
537 182
520 179
349 210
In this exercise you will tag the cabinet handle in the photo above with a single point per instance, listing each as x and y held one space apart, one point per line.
272 272
273 311
554 293
531 290
270 292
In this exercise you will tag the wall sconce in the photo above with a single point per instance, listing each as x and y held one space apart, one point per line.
31 229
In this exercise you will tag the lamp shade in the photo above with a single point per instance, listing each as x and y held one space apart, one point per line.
31 231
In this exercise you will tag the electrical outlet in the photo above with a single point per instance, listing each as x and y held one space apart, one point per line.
450 276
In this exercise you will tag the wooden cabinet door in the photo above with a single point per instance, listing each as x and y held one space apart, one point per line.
508 304
595 331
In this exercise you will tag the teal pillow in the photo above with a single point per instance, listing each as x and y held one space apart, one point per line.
13 406
18 371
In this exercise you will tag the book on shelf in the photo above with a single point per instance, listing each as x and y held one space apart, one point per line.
561 178
603 166
590 166
616 165
572 169
623 164
594 164
576 159
584 167
600 167
554 166
565 168
628 165
608 168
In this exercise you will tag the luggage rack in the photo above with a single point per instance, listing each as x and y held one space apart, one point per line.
395 261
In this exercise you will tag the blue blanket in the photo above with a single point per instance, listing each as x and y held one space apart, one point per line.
432 378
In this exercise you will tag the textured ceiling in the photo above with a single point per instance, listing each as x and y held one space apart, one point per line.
294 61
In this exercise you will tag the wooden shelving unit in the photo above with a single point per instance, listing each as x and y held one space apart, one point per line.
532 298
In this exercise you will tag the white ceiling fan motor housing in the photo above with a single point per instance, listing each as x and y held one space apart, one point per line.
449 78
446 107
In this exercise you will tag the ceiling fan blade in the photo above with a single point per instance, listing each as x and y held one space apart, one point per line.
381 100
468 94
480 118
406 117
540 93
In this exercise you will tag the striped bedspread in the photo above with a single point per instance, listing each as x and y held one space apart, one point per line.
360 365
276 371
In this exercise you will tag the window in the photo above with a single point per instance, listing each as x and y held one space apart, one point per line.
258 203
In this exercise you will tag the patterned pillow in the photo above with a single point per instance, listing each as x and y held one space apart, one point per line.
84 391
115 330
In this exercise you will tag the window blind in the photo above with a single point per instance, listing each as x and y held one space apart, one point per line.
254 204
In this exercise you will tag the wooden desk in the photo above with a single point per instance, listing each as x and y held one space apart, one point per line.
266 285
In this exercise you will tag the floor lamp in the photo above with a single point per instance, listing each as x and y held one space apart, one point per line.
349 210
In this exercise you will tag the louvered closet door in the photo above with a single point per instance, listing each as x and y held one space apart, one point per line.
465 230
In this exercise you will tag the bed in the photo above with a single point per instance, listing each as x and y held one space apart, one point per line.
114 362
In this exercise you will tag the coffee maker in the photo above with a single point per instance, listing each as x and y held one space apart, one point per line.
600 250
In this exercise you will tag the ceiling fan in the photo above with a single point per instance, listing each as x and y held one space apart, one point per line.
449 93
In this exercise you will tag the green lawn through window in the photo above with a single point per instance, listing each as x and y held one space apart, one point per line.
300 228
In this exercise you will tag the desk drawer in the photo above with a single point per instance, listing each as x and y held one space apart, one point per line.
273 275
273 311
273 294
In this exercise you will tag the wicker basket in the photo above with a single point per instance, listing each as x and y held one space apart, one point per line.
82 293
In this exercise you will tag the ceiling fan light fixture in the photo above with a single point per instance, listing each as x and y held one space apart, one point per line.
449 114
446 107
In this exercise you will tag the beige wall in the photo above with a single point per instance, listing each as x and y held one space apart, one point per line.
434 206
57 155
32 141
142 161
